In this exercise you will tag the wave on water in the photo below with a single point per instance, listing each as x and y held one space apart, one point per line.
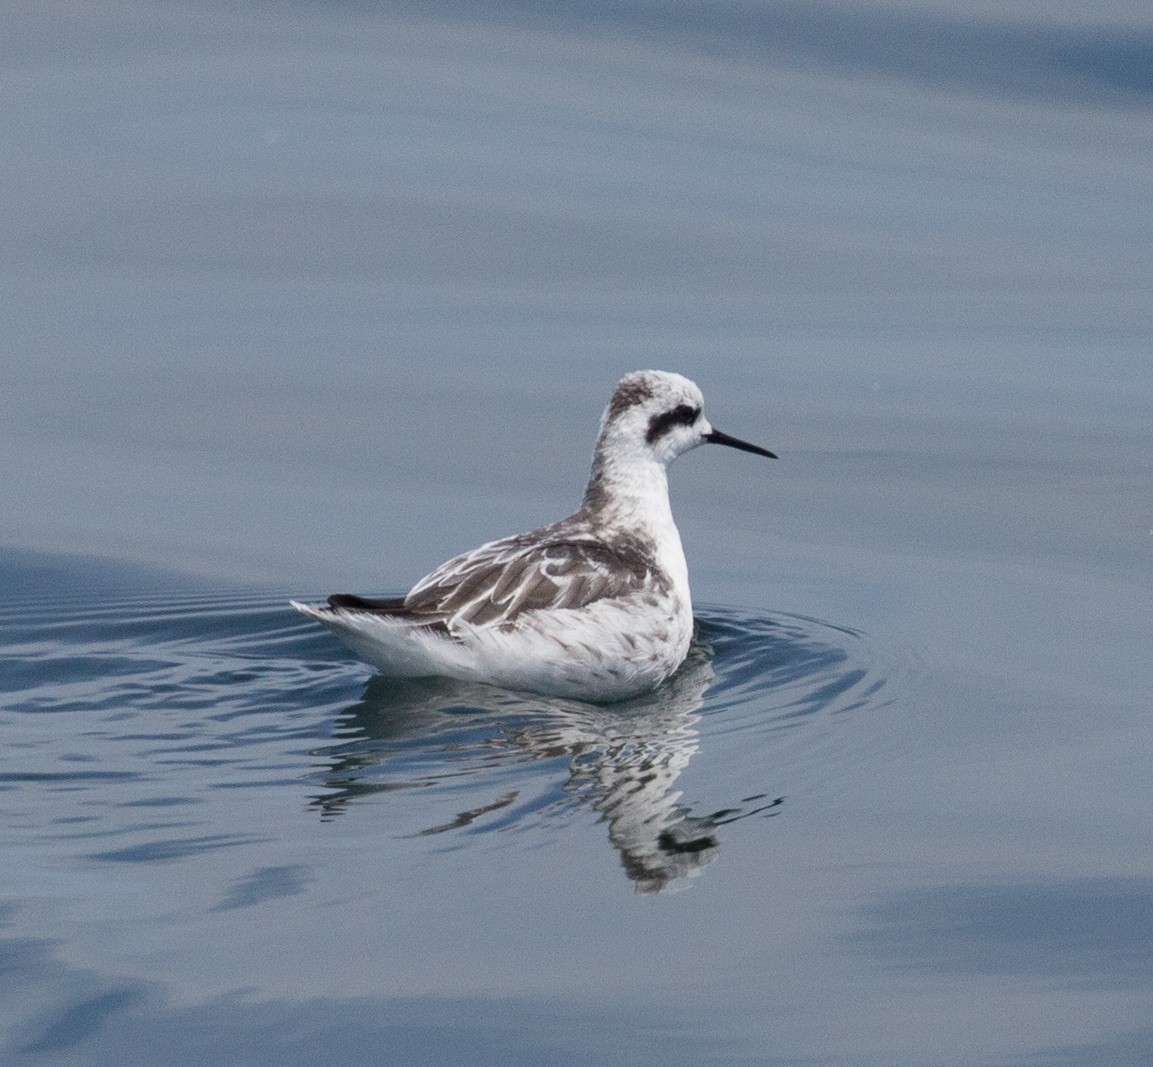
154 701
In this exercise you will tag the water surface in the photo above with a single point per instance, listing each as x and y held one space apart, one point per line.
309 297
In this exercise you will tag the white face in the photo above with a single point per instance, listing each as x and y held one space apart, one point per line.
658 415
674 426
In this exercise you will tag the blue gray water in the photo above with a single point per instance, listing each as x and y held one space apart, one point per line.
307 297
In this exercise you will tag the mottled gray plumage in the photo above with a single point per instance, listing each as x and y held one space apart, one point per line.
594 606
564 565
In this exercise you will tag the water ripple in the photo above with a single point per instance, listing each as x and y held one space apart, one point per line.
171 700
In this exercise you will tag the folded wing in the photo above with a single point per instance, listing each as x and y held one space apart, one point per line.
500 581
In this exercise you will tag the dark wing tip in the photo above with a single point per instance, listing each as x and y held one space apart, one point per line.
393 607
364 603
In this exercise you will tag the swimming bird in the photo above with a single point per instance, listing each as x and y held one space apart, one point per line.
594 607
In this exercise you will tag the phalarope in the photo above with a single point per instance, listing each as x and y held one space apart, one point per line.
595 606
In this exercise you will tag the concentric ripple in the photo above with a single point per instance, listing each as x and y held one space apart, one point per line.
124 719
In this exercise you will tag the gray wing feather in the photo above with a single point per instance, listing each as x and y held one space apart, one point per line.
500 581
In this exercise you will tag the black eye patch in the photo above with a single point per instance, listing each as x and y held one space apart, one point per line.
681 415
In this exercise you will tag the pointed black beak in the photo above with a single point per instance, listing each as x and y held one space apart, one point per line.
718 438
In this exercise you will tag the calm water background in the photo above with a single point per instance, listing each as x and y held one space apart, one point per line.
305 297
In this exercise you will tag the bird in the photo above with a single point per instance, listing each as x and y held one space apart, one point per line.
595 607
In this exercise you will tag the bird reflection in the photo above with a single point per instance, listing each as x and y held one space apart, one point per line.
622 760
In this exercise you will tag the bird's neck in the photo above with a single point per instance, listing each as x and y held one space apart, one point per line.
632 493
628 487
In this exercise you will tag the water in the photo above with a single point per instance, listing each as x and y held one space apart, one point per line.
170 699
303 298
178 758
